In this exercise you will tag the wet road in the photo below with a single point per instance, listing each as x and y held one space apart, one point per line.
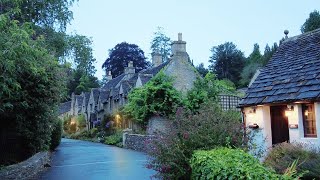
76 160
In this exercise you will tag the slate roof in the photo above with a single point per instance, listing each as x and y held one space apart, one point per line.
154 70
79 100
104 96
292 74
113 82
96 92
86 96
64 107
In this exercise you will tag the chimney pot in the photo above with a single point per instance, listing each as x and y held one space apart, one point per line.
179 36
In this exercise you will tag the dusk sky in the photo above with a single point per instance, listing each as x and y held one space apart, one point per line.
203 23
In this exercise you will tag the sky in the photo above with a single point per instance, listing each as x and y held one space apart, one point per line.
203 23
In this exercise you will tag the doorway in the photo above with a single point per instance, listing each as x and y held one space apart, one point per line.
279 124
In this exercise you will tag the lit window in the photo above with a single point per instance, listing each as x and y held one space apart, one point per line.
309 121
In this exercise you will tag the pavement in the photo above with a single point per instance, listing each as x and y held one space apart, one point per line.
77 160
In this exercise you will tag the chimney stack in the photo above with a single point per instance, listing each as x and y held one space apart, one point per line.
130 70
178 46
156 58
109 76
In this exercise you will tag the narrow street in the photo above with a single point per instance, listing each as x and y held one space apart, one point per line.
75 159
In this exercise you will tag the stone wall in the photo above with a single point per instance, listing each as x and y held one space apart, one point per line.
135 142
158 124
26 169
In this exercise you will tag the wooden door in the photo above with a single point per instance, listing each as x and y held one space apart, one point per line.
279 124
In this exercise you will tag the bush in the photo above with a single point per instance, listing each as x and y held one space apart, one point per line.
225 163
81 121
282 155
84 134
56 134
93 132
114 139
210 128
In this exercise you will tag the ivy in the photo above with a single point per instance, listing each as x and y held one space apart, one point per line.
157 97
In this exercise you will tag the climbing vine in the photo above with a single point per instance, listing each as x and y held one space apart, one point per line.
157 97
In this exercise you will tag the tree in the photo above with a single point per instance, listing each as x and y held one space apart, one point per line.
161 43
202 70
31 84
227 62
119 57
312 23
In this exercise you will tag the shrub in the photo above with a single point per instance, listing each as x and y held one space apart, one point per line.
211 127
93 132
114 139
282 155
225 163
56 134
84 134
66 123
81 121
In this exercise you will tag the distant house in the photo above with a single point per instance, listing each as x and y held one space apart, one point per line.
283 102
114 94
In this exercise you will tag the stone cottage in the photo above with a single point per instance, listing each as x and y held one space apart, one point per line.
113 95
283 102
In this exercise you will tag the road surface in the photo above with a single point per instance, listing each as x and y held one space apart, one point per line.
76 160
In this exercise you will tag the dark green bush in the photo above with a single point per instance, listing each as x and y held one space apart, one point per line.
56 134
93 132
282 155
225 163
83 134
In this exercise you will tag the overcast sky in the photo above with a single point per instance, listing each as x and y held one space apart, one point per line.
203 23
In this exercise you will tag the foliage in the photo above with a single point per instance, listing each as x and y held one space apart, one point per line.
226 163
56 134
256 61
202 70
162 44
30 81
157 97
114 139
312 23
66 123
81 121
107 124
47 13
94 132
209 128
282 155
119 57
227 62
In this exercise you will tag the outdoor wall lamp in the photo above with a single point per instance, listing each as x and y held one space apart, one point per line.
252 111
289 110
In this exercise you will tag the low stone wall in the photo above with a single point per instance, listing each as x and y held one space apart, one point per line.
26 169
135 141
158 124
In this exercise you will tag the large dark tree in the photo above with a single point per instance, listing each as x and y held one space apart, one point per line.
227 62
162 44
119 57
312 23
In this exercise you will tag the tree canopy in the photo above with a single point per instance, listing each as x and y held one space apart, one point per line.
312 23
161 44
202 70
119 57
227 62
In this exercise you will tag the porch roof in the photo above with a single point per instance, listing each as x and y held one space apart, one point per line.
292 74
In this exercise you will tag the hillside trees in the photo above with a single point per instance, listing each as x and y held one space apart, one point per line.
227 62
312 23
119 57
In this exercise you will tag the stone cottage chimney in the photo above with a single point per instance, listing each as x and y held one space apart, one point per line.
178 46
156 59
130 70
109 76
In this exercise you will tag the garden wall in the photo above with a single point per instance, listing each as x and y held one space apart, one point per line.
158 124
26 169
135 142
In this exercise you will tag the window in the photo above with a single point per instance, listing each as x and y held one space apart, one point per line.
309 121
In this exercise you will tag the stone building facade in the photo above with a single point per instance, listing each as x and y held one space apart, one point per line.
97 103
